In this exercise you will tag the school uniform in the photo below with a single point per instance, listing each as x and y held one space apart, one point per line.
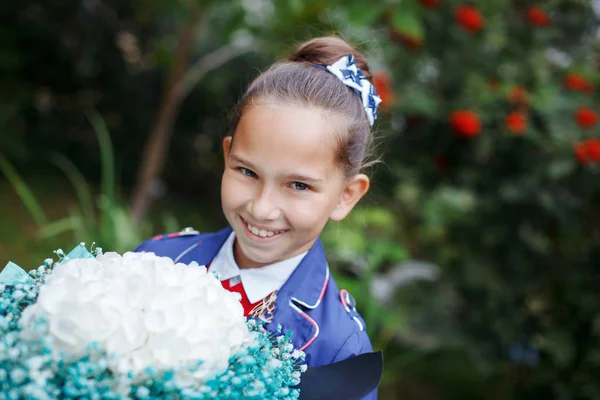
323 320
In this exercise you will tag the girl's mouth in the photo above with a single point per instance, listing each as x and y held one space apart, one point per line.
261 233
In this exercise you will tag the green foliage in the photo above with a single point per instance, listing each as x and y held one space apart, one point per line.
25 194
406 20
107 223
510 218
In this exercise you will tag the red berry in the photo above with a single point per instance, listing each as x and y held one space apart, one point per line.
586 117
516 122
465 123
469 18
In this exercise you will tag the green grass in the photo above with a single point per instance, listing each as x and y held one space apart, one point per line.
20 239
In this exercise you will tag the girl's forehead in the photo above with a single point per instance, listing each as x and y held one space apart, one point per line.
295 134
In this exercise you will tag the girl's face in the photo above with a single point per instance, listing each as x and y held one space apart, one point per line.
281 183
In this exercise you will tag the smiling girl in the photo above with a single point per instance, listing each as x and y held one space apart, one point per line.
293 162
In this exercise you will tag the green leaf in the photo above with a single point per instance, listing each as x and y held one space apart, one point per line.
55 228
78 182
107 154
363 14
421 101
561 168
557 343
407 22
25 194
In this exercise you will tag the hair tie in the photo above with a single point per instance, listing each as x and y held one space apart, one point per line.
345 70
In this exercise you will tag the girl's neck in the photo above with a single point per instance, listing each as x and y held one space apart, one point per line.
242 261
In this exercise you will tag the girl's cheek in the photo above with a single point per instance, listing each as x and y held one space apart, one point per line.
309 208
230 187
233 180
240 188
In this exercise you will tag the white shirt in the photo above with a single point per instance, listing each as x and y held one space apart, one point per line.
257 282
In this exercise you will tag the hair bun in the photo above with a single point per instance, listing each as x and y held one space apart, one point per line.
327 50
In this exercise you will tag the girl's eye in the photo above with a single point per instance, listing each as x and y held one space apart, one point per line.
247 172
299 186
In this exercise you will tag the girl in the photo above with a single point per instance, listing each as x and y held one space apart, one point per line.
293 160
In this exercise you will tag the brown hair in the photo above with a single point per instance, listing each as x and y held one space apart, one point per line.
297 81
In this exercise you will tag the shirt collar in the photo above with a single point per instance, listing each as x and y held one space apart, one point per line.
258 282
224 264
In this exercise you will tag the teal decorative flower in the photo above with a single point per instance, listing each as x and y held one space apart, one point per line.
134 326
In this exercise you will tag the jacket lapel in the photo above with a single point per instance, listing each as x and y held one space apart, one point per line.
304 290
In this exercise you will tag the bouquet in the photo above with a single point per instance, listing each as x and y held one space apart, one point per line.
134 326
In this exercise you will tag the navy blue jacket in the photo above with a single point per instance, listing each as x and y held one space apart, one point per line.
324 324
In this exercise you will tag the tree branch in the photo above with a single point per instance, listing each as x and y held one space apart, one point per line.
157 145
208 63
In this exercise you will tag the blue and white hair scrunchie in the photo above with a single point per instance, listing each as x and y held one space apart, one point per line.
346 70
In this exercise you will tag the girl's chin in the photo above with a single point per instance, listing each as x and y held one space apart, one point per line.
253 260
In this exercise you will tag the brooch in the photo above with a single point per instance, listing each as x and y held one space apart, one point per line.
266 309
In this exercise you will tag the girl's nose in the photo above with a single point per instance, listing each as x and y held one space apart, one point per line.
263 207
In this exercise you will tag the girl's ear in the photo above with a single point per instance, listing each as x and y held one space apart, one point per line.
227 147
354 190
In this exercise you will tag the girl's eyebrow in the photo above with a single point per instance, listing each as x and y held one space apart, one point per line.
303 178
241 160
293 177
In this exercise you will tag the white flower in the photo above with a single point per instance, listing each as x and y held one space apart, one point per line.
144 309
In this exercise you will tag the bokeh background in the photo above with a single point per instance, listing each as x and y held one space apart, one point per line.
475 259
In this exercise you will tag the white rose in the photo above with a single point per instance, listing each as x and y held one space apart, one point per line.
144 309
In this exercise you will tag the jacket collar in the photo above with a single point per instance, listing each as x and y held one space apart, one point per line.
208 247
307 283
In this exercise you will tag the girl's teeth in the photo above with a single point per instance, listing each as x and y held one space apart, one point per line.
260 232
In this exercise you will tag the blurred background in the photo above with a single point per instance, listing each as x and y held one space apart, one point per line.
475 257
